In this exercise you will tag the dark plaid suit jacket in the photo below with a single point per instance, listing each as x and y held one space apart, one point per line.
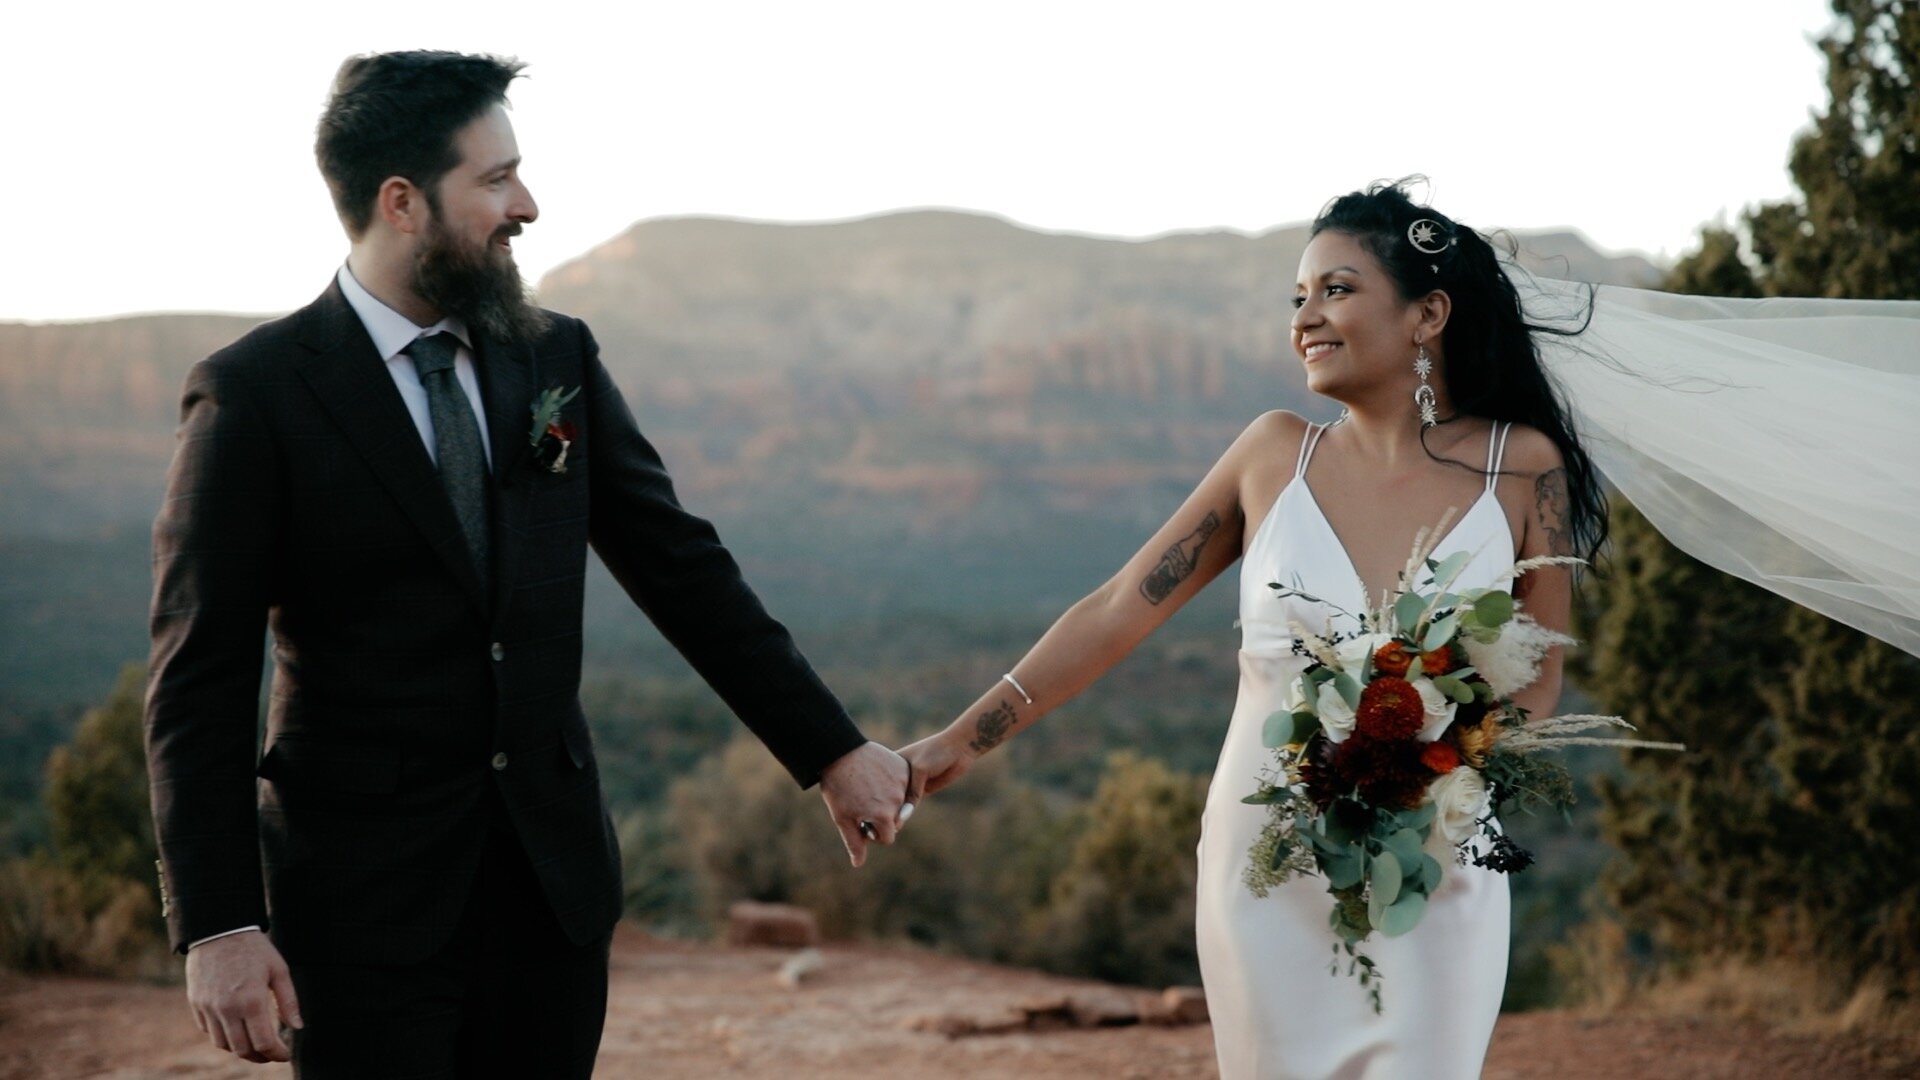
302 499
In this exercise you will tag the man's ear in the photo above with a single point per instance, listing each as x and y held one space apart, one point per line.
402 205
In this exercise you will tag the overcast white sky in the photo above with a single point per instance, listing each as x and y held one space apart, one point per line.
159 156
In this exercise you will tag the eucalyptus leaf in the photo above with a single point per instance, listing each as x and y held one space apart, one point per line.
1265 797
1281 849
1415 669
1405 846
1278 730
1494 609
1331 848
1343 872
1451 566
1421 818
1407 611
1349 688
1453 688
1305 725
1440 633
1386 885
1430 871
1403 915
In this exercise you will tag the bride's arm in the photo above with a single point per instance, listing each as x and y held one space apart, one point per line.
1547 593
1199 541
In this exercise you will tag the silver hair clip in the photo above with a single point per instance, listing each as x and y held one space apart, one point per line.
1426 237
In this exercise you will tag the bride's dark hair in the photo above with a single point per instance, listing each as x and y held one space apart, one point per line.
1492 360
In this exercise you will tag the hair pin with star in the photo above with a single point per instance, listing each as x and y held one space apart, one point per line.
1429 237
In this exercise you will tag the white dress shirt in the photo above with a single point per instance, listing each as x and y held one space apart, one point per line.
392 332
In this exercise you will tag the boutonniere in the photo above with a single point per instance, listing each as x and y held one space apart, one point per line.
551 436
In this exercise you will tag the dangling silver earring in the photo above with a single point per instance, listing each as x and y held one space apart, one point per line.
1423 396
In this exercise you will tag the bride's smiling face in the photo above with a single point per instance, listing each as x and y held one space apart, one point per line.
1351 327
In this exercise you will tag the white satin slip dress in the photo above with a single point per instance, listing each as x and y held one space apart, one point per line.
1276 1011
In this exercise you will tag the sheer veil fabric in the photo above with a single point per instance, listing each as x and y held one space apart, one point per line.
1776 440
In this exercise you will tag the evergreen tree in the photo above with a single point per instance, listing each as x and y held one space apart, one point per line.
1854 229
1786 829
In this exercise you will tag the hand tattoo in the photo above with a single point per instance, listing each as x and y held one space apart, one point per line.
992 728
1552 506
1179 562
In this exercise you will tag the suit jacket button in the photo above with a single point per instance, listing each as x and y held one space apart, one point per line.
499 651
500 761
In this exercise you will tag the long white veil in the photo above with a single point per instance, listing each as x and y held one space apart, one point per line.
1776 440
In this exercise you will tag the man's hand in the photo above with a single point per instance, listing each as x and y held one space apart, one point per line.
866 784
240 991
938 760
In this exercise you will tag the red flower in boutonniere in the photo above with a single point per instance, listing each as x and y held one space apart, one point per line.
551 436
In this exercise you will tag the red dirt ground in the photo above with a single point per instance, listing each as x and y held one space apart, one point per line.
692 1010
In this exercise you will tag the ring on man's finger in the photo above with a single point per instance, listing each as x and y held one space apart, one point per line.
867 830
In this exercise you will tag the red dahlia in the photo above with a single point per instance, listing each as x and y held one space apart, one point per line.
1388 774
1390 708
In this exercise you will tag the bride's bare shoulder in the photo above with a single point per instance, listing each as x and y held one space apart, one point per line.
1271 436
1279 424
1530 452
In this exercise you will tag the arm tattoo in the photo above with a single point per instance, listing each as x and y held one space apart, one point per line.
993 727
1179 562
1551 505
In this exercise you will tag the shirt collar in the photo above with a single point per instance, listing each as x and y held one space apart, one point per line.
391 331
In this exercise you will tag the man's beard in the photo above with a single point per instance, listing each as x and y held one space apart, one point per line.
480 287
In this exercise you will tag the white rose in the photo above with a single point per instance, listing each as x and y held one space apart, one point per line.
1353 653
1459 801
1336 716
1439 708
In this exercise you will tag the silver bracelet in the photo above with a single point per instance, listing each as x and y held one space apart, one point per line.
1015 683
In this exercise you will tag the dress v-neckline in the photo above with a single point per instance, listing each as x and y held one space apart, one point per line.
1366 598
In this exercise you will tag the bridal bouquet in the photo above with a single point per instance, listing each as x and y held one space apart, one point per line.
1400 744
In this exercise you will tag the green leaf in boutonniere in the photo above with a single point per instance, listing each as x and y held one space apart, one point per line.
547 410
551 437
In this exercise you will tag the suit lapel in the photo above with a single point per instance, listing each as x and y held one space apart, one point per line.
506 388
345 372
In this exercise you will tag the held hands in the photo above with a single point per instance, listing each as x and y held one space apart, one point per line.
938 760
867 785
240 992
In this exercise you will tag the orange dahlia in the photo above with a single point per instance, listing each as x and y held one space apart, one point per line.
1441 757
1439 661
1393 659
1390 708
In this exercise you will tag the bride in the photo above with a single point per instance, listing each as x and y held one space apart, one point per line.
1410 322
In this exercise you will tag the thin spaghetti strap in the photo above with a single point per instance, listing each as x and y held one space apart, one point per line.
1307 444
1496 451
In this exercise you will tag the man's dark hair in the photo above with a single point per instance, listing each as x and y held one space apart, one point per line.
396 114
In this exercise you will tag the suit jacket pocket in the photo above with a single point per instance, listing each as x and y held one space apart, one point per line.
365 770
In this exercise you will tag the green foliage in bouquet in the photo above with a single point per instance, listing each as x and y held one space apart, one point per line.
1399 746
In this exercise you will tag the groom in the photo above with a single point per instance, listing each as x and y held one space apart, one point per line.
402 480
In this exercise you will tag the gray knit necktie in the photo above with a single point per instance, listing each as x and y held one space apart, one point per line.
456 437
